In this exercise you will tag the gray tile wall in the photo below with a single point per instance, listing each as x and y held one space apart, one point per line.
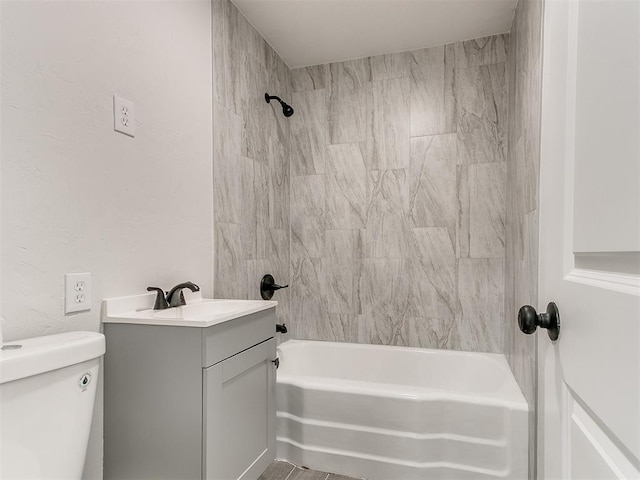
251 160
398 171
523 163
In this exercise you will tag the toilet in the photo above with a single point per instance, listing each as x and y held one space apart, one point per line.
47 392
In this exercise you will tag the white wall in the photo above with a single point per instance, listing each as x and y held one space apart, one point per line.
76 196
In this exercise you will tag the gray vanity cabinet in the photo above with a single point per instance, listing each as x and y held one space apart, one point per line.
240 414
189 402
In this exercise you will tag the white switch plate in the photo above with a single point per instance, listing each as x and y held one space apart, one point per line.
124 119
77 288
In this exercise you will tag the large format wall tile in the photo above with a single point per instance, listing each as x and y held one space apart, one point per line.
384 294
307 216
221 61
481 293
487 207
432 91
387 227
258 130
349 101
226 144
392 65
346 186
482 51
341 262
481 210
404 227
463 221
309 304
388 144
278 262
433 274
398 224
308 133
432 177
261 176
310 78
278 185
251 160
481 113
430 332
248 207
342 328
230 265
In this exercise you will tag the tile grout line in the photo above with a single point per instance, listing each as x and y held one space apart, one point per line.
292 470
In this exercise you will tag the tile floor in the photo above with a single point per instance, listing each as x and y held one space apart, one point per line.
286 471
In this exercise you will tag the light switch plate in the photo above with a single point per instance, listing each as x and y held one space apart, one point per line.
77 288
124 120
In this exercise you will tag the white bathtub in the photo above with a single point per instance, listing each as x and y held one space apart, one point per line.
385 413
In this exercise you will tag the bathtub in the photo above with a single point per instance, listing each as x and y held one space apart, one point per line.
385 413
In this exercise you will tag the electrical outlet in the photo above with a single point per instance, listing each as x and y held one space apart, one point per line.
124 116
77 287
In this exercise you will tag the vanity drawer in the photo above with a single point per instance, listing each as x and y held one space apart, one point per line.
226 339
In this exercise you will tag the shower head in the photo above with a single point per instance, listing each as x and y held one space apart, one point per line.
287 110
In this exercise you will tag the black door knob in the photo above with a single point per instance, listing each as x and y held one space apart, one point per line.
529 320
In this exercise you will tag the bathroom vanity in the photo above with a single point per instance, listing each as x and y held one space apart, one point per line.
189 391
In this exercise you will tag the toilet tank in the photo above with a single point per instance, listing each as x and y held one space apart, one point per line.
47 392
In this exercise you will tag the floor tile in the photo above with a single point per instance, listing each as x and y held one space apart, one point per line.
302 474
277 471
280 470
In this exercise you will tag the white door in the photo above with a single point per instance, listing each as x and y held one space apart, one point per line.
589 380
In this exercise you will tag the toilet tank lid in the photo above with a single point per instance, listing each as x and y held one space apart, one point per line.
50 352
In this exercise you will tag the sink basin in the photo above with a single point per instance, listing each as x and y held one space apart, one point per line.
199 312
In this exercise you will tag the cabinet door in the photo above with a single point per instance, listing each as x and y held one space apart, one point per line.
239 411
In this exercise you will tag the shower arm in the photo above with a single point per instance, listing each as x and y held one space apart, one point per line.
268 98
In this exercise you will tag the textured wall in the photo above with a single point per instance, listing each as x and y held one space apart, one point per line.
398 198
523 165
251 160
76 196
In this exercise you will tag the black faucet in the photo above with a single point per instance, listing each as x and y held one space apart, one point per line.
176 300
161 302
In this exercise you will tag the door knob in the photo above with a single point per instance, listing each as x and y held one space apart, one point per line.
529 320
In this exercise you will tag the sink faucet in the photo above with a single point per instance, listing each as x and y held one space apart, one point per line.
176 300
161 302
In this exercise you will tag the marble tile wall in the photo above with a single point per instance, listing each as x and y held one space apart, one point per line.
251 159
523 163
398 202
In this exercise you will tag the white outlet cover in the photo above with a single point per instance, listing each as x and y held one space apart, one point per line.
124 119
77 292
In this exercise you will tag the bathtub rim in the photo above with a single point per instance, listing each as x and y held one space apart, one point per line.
510 397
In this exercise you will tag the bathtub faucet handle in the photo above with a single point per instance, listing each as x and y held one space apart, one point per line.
268 286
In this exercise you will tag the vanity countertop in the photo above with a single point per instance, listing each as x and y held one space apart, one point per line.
198 312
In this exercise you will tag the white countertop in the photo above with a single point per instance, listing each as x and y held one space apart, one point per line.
199 312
